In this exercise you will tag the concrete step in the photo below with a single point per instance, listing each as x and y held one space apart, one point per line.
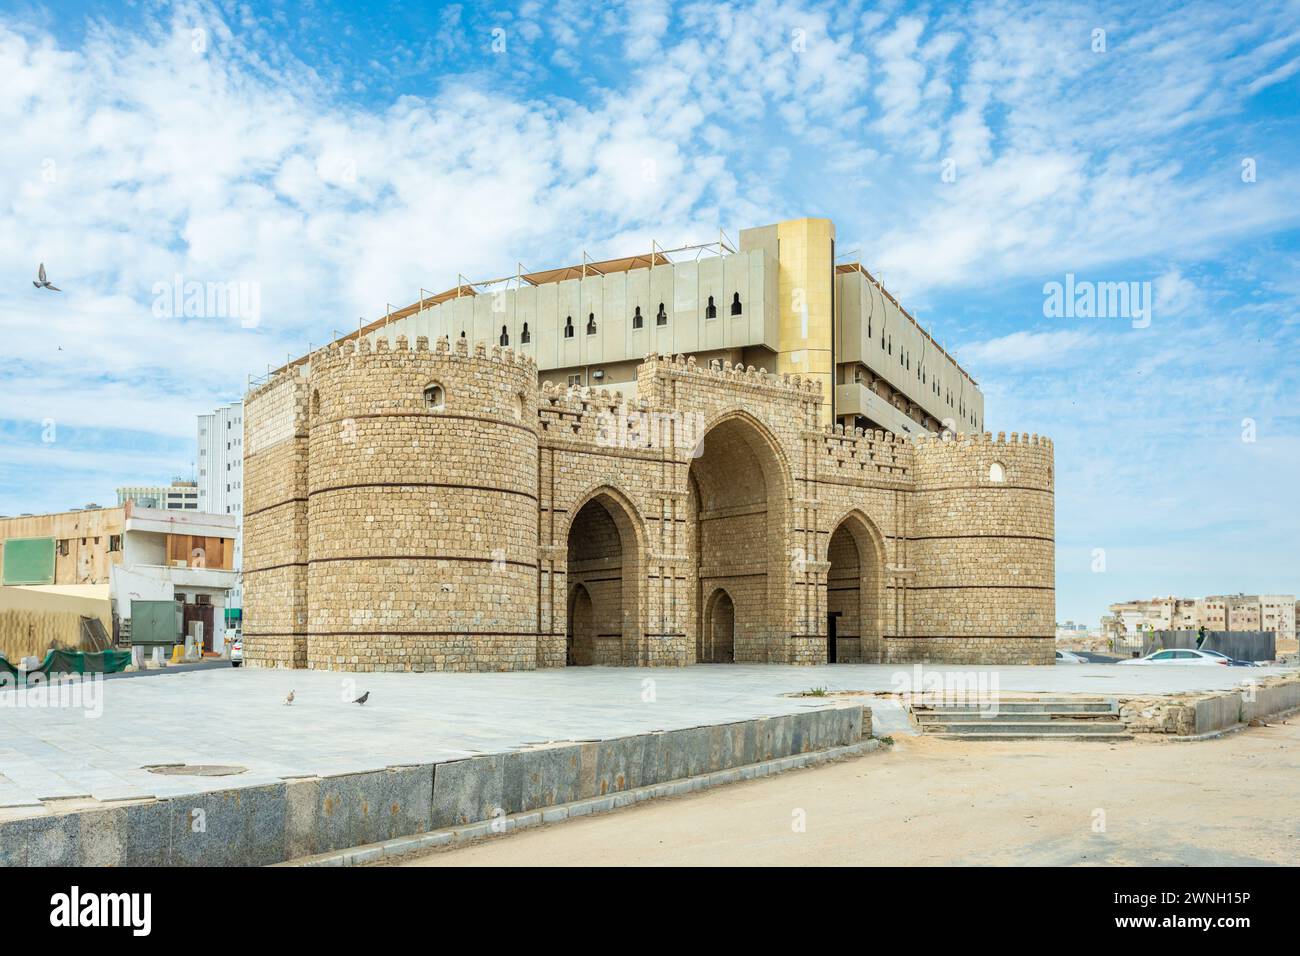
975 716
999 728
1022 706
1096 738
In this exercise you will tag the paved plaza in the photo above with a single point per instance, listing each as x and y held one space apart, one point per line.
238 717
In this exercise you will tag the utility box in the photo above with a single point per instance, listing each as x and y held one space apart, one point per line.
154 624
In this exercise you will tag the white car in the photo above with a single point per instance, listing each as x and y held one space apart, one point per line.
1069 657
237 652
1179 656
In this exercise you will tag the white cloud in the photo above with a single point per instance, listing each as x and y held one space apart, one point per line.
1026 348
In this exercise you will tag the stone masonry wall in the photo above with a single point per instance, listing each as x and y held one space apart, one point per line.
440 537
423 518
275 523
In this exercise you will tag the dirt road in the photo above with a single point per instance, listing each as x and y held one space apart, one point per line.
1227 801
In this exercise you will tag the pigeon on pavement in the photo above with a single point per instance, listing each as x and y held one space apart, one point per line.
289 700
363 698
43 283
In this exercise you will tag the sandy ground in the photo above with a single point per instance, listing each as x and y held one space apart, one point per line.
1228 801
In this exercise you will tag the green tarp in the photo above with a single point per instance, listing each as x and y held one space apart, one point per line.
77 662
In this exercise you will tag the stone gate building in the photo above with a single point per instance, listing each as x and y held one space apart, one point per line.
433 508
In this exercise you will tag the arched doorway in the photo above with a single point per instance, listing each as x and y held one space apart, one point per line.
737 507
853 593
717 642
604 583
581 632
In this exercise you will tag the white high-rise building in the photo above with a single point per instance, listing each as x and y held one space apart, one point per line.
221 475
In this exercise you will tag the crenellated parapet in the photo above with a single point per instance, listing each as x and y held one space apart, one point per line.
980 459
663 368
865 453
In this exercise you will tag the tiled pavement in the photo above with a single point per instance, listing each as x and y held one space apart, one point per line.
237 716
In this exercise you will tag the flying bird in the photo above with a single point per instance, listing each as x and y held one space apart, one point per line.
289 700
363 698
43 283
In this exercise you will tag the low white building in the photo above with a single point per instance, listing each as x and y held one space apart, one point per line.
183 557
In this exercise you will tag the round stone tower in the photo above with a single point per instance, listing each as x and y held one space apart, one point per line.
422 508
982 552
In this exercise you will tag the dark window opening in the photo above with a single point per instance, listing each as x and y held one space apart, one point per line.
568 326
711 310
637 320
525 336
661 318
505 336
591 323
735 304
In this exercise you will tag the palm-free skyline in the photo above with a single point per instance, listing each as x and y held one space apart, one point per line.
315 162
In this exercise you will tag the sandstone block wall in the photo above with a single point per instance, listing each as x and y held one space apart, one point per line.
275 523
982 543
422 509
387 533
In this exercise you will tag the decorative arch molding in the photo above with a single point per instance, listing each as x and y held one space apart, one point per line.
613 578
855 589
741 488
623 499
867 524
717 639
770 440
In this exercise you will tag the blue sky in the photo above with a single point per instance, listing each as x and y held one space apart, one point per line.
340 156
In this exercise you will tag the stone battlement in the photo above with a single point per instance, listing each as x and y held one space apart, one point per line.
442 347
986 438
720 371
864 450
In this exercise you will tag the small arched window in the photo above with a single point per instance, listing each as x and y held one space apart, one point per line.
462 333
568 326
591 323
524 335
637 320
505 336
997 473
434 397
661 318
735 304
711 310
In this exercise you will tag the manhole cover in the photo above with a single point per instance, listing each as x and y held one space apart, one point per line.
196 770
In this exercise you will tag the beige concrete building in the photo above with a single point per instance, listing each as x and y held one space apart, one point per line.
780 301
1216 612
120 554
411 507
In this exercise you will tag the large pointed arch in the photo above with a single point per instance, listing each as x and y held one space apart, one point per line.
855 590
739 493
605 568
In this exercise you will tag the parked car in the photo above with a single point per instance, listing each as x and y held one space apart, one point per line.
237 652
1179 656
1233 662
1069 657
